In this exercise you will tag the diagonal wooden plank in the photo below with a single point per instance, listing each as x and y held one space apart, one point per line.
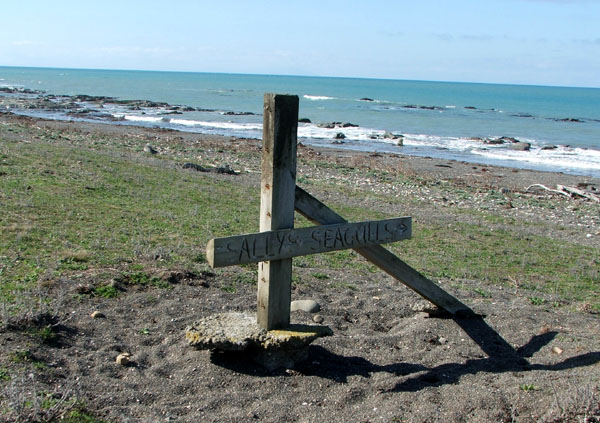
317 212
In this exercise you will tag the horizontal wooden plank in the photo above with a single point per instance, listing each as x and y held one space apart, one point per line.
288 243
319 213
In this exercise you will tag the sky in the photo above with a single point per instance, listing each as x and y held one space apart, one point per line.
539 42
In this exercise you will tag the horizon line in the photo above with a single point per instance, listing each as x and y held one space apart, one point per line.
298 76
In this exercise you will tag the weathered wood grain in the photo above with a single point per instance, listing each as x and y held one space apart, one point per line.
317 212
288 243
278 180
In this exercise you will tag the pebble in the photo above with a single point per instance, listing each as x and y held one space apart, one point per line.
310 306
123 359
317 318
97 315
557 350
149 149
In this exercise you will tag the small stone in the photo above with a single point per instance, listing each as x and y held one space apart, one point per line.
317 318
97 315
123 359
310 306
149 149
441 340
557 350
421 306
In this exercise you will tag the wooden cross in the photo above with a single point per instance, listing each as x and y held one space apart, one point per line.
277 242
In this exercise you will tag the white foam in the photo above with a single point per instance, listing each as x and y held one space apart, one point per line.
559 158
317 97
352 133
219 125
137 118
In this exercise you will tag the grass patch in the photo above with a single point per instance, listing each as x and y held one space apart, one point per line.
74 204
537 301
106 291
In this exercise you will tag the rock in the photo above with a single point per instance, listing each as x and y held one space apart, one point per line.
326 125
304 120
123 359
420 306
318 319
349 125
225 169
395 137
557 350
520 146
194 166
340 136
366 99
239 332
149 149
310 306
97 315
442 341
237 113
549 147
493 141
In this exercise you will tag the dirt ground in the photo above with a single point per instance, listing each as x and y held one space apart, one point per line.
393 357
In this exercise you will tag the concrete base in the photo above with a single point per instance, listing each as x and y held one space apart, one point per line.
239 332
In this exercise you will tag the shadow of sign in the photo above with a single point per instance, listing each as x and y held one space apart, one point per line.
502 358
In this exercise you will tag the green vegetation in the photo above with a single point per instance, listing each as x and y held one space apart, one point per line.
106 291
79 204
80 416
537 301
528 388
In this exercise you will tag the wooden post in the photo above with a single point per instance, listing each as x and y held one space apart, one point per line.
278 182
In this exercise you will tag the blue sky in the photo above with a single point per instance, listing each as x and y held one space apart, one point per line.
542 42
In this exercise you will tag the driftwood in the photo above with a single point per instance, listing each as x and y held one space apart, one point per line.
567 191
579 192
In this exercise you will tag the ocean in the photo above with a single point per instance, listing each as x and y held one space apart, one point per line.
559 126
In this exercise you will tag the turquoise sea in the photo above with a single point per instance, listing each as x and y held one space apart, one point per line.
437 119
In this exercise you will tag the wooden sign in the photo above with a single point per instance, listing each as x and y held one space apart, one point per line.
278 241
288 243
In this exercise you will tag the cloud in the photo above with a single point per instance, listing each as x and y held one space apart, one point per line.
392 33
480 37
587 41
444 37
21 43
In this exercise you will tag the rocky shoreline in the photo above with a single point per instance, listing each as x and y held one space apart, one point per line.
94 108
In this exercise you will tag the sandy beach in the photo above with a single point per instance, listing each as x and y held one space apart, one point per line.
533 354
